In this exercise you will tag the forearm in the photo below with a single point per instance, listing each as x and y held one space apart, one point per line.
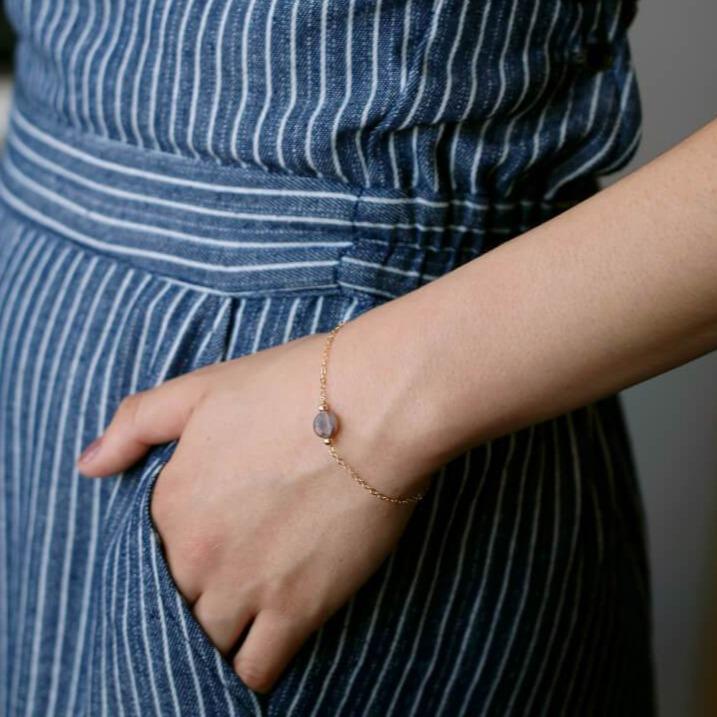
611 292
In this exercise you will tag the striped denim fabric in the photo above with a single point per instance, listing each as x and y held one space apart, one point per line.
520 586
188 182
465 97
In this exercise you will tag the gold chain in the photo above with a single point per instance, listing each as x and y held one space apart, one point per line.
328 424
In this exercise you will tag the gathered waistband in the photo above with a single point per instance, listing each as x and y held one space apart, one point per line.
239 230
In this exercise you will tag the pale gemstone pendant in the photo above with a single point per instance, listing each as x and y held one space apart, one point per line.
325 423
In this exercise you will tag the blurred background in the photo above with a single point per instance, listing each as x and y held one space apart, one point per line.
673 418
6 47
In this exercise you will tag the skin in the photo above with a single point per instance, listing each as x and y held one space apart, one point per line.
611 292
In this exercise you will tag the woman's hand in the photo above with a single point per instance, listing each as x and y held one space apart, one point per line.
260 527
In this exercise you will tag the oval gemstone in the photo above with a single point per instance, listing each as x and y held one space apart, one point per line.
325 424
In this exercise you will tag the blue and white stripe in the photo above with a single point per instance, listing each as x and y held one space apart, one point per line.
424 96
187 182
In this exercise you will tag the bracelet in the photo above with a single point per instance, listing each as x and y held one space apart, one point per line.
326 425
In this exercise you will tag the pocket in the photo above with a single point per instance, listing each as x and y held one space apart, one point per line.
154 656
207 662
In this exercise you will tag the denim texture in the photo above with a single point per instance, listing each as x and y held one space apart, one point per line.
188 182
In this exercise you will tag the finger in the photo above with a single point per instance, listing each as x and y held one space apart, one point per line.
222 617
274 638
142 419
187 579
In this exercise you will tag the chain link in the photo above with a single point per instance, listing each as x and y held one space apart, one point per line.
324 406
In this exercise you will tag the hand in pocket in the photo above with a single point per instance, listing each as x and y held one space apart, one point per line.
264 534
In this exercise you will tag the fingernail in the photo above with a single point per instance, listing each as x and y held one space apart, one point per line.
91 451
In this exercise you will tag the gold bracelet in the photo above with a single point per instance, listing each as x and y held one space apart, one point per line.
326 425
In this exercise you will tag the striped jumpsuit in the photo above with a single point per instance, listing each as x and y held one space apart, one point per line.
188 181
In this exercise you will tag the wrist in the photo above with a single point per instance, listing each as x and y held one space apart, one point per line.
388 424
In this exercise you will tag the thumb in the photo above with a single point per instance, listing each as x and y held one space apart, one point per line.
142 419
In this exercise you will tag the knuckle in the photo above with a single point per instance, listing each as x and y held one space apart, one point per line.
128 409
201 551
280 600
283 601
254 674
200 544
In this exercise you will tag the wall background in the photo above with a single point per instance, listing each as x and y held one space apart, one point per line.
674 416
